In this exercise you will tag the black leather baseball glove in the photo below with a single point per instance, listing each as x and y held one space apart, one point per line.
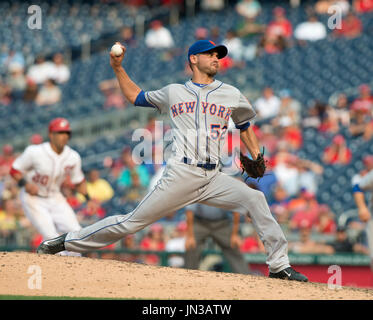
254 168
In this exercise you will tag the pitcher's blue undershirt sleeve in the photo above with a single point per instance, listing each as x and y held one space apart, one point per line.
356 188
141 100
244 126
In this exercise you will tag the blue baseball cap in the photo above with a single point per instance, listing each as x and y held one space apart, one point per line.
207 45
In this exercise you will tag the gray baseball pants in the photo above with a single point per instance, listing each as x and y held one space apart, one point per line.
181 185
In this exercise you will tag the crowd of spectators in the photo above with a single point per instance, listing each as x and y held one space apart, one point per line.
291 184
38 83
251 38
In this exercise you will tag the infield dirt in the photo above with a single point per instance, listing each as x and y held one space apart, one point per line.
102 278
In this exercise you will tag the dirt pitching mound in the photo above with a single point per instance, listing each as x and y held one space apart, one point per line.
30 274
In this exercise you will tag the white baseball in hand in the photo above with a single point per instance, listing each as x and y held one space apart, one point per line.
116 50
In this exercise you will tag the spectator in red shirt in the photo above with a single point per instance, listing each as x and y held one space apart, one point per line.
154 241
365 98
252 244
277 34
35 241
299 203
91 213
306 216
71 198
268 138
36 139
363 6
6 159
87 212
293 136
337 152
226 63
361 123
326 220
328 120
351 27
280 26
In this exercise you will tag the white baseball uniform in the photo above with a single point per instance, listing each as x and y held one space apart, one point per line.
48 211
199 116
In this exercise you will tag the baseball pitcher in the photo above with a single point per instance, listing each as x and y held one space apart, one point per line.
199 111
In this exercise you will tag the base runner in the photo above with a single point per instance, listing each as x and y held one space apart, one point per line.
40 170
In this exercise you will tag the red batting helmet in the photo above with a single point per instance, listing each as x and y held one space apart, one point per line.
59 125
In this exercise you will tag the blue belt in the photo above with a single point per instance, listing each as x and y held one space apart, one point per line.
207 166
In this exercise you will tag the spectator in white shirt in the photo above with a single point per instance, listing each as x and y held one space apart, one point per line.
311 30
237 50
177 244
61 72
268 105
16 78
234 45
49 94
158 36
248 8
41 71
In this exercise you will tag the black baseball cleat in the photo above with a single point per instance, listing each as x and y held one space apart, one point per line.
52 246
289 274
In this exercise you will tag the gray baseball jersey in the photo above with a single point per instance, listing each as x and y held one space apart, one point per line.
199 116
